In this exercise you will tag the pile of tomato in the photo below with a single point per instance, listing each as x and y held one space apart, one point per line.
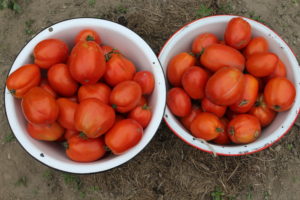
92 96
227 91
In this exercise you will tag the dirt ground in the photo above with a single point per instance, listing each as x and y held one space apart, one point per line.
167 168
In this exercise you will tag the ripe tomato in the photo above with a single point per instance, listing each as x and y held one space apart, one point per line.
256 45
50 52
87 35
99 91
237 33
223 137
125 96
261 111
261 64
279 94
61 81
280 71
45 85
141 114
146 81
225 87
94 118
124 135
208 106
83 149
109 51
48 132
87 63
39 107
217 56
69 133
193 81
187 121
249 95
206 126
244 129
202 41
179 102
177 66
23 79
142 101
67 109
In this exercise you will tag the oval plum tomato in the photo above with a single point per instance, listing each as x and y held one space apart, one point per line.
87 35
193 81
208 106
217 56
50 52
248 97
125 96
237 33
187 121
23 79
87 63
48 132
142 101
141 114
94 118
109 52
279 94
256 45
225 87
99 91
244 129
179 102
177 66
261 111
202 41
280 71
83 149
61 81
67 109
46 86
223 137
206 126
69 133
146 81
261 64
124 135
39 107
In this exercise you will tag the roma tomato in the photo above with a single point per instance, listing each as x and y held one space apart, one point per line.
39 107
177 66
206 126
99 91
23 79
280 71
202 41
83 149
69 133
187 121
179 102
87 35
249 95
279 94
141 114
256 45
124 135
261 64
109 52
50 52
94 118
146 81
87 63
143 101
48 132
217 56
225 87
208 106
237 33
66 117
244 129
223 137
46 86
193 81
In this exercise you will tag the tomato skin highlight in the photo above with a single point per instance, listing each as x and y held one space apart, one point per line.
179 102
48 132
203 41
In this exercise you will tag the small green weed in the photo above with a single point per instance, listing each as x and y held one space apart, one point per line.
73 180
290 147
204 11
22 181
28 27
91 3
217 194
121 9
47 175
9 138
11 4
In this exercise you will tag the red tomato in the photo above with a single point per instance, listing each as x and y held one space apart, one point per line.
261 64
223 137
193 81
94 118
141 114
256 45
87 63
82 149
202 41
248 97
244 129
67 109
48 132
146 81
45 85
217 56
39 107
23 79
237 33
279 94
179 102
177 66
69 133
87 35
206 126
50 52
123 135
208 106
142 101
99 91
187 121
225 87
109 52
280 70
